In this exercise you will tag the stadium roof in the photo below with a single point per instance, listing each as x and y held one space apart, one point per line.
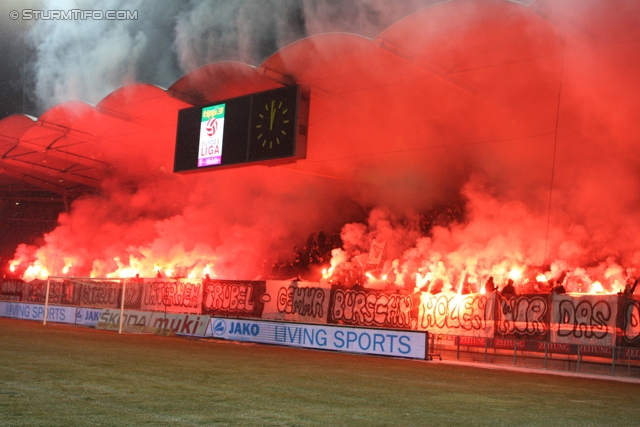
468 63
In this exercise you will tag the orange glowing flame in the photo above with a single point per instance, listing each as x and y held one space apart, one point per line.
124 271
327 272
515 273
67 266
421 280
596 288
207 269
13 264
541 278
461 284
36 271
127 272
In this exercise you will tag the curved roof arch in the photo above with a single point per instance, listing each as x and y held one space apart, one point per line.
317 60
466 64
14 126
142 104
461 35
220 80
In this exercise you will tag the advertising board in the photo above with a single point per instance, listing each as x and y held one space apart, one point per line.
382 342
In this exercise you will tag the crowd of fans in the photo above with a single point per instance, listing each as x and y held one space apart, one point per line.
312 255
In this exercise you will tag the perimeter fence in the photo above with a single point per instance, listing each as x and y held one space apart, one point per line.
577 332
544 355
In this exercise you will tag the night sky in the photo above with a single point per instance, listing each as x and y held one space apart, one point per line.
45 62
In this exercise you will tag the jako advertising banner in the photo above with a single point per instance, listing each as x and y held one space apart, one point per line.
406 344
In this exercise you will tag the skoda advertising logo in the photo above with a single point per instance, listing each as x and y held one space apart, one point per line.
79 315
219 327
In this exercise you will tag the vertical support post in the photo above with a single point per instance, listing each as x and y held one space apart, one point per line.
486 347
545 354
458 352
613 360
433 343
46 301
124 286
613 351
578 365
515 348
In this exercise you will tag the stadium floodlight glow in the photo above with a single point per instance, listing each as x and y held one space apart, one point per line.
262 128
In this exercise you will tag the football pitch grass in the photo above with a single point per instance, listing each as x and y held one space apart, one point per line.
58 375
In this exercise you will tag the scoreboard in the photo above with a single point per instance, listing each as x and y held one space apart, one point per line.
262 128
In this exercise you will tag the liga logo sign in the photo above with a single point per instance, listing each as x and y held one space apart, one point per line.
211 132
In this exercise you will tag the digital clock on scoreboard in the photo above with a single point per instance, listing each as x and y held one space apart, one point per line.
266 127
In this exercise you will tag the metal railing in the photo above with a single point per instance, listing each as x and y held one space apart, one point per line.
543 355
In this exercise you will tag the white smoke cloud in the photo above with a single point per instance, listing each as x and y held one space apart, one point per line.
364 17
88 59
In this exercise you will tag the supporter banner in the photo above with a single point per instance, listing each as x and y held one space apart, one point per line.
584 319
363 307
523 317
104 294
88 316
629 322
27 311
407 344
172 296
181 324
99 294
35 291
134 288
62 292
234 298
453 314
11 290
296 301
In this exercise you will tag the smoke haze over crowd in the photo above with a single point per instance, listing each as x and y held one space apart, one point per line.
534 141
